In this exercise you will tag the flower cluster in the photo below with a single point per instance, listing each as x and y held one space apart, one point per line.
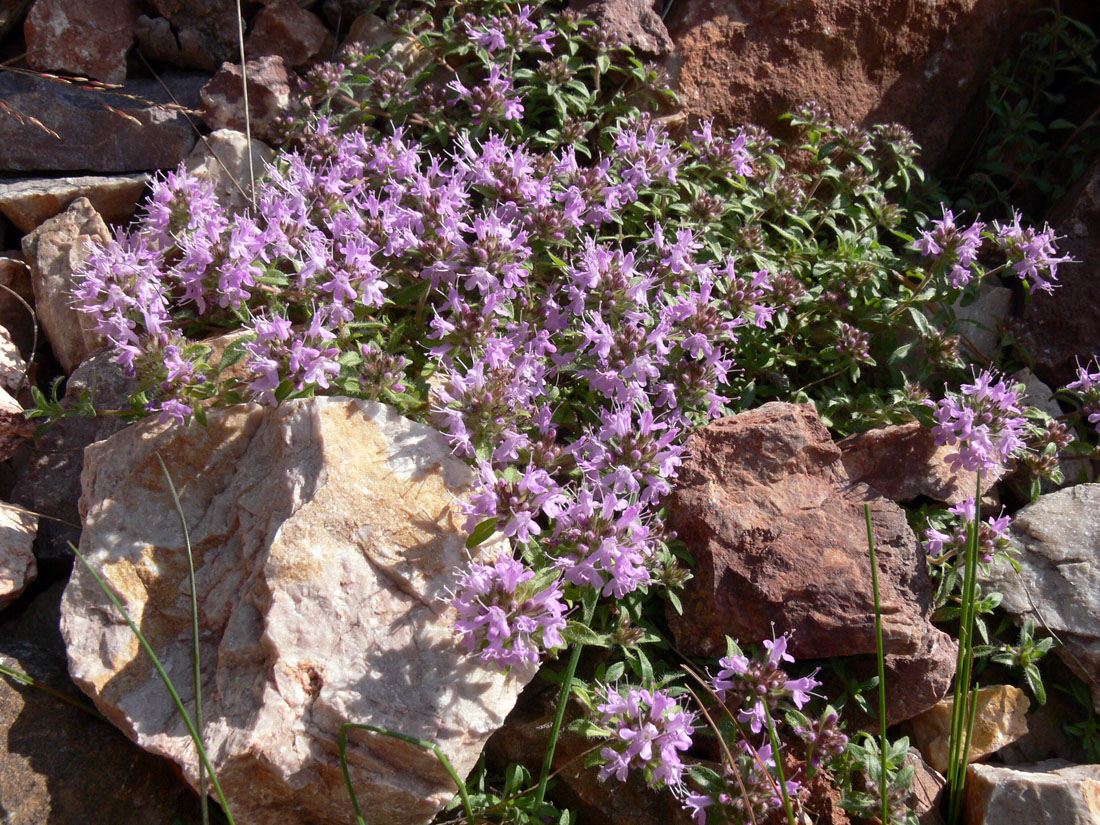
985 421
650 730
1031 254
1087 385
952 248
505 617
992 535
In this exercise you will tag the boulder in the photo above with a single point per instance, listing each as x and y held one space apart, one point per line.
286 29
17 567
54 251
1058 583
901 462
638 22
926 792
271 87
222 158
59 764
89 38
55 126
869 61
1000 719
777 533
327 537
982 323
1062 328
1048 793
28 202
47 480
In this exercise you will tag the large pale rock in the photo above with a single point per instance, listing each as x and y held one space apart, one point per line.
869 61
902 463
1000 719
60 765
1048 793
28 202
1058 584
75 128
271 86
222 159
778 536
82 37
54 252
327 537
17 567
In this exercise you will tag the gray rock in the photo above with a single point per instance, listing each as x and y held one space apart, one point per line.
327 539
981 323
17 567
59 764
28 202
1048 793
54 252
1058 584
62 127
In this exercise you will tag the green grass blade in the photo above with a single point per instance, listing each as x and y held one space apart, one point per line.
434 748
881 669
196 660
27 679
167 683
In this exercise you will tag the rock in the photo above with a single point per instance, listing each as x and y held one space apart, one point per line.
1061 328
762 492
1046 737
338 13
89 38
368 31
28 202
17 567
222 158
285 29
327 538
14 426
48 480
523 740
902 463
39 620
926 792
16 309
869 61
1048 793
270 88
13 369
1001 718
638 22
200 34
1058 539
54 252
981 323
1075 470
61 765
12 13
63 127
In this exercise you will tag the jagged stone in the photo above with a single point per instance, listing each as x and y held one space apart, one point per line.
17 566
326 539
29 202
1000 720
1048 793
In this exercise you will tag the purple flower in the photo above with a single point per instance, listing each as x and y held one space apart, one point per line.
986 423
1032 255
992 535
503 618
1088 385
952 249
650 730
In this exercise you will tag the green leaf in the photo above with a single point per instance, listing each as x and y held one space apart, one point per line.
578 633
481 533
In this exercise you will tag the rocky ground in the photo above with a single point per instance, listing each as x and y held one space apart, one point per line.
280 548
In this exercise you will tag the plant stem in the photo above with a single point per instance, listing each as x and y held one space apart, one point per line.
774 739
881 668
589 603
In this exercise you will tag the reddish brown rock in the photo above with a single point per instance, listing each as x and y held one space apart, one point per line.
1064 327
638 22
285 29
73 128
902 463
82 37
778 535
270 88
869 61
